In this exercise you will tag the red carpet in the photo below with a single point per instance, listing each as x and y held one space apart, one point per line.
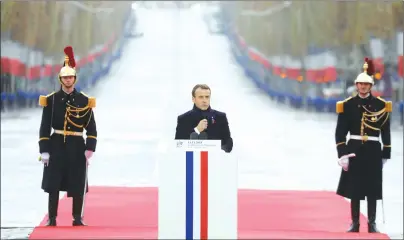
131 213
110 212
296 215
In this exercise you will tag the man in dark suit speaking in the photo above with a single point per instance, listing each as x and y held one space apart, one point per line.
203 122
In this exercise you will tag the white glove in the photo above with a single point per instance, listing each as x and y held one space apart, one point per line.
88 155
344 161
45 158
384 161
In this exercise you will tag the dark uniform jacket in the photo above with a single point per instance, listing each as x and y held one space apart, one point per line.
218 126
366 117
70 114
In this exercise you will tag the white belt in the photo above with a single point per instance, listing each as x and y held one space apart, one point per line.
364 138
68 133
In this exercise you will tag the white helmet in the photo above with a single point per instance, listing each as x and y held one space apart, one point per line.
364 78
367 75
67 71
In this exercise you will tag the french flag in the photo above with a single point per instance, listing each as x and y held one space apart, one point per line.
377 53
196 213
320 67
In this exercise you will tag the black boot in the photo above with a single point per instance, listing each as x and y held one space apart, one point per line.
355 213
78 221
77 211
53 203
51 222
372 204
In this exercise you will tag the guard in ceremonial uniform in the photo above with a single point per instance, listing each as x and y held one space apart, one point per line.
64 152
366 118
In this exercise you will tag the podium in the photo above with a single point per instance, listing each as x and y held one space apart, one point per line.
197 196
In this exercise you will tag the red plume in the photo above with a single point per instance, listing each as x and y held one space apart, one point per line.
69 52
371 68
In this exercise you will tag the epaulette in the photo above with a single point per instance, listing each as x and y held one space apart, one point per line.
388 104
91 100
340 105
43 100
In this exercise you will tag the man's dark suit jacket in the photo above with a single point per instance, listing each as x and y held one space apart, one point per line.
218 126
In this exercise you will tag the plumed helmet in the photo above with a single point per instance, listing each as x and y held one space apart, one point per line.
368 71
69 64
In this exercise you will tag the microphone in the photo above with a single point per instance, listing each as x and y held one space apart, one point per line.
203 136
193 135
208 116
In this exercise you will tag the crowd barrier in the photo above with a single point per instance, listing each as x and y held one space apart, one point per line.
258 71
33 81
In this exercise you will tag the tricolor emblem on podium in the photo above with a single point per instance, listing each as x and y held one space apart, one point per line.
197 192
